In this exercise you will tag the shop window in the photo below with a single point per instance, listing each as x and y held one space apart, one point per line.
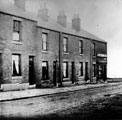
80 47
45 70
16 65
81 69
65 69
16 30
44 41
65 45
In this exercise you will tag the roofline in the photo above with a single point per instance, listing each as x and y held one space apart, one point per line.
18 16
35 20
71 34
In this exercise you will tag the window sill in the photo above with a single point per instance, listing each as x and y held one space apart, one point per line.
17 77
81 76
65 79
94 77
46 52
66 53
81 54
17 42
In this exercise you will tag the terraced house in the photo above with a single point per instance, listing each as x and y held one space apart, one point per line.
39 51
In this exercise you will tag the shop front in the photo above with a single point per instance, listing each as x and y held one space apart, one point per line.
101 67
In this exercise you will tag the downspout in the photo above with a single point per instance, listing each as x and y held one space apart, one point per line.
91 61
60 59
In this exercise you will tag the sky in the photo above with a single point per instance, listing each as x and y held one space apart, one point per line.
100 17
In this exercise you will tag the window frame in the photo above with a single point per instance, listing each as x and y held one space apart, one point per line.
80 46
19 66
94 70
66 70
17 30
45 42
65 46
94 49
47 70
80 69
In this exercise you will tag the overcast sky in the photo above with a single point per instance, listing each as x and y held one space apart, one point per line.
100 17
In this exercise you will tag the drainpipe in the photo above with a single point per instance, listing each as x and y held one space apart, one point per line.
60 59
91 60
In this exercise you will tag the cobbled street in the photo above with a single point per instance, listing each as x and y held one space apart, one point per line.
62 103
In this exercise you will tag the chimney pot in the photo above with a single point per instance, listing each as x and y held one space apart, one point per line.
20 4
43 13
76 22
62 18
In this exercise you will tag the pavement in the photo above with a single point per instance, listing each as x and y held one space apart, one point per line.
30 93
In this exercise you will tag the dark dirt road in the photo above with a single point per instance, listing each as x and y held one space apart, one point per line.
95 103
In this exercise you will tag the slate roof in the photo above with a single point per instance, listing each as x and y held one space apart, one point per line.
9 8
52 24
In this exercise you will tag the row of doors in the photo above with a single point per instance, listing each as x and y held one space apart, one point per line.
32 73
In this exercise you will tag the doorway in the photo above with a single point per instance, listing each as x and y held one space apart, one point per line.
86 71
31 70
1 75
73 72
54 73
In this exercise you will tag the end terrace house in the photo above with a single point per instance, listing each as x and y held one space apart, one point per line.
39 51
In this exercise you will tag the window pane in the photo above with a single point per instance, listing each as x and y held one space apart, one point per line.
80 69
65 69
44 37
16 30
44 70
94 70
81 47
44 46
16 36
16 26
16 71
65 44
44 41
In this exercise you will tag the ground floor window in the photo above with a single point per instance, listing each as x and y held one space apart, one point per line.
45 70
94 69
16 65
65 69
81 69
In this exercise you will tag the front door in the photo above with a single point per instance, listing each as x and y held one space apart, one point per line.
86 71
73 72
1 69
31 71
54 73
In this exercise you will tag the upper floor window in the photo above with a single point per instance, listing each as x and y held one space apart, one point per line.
81 69
16 65
80 47
65 45
44 41
94 51
16 30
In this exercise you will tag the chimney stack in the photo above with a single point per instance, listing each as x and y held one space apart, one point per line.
62 18
43 13
76 22
20 4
